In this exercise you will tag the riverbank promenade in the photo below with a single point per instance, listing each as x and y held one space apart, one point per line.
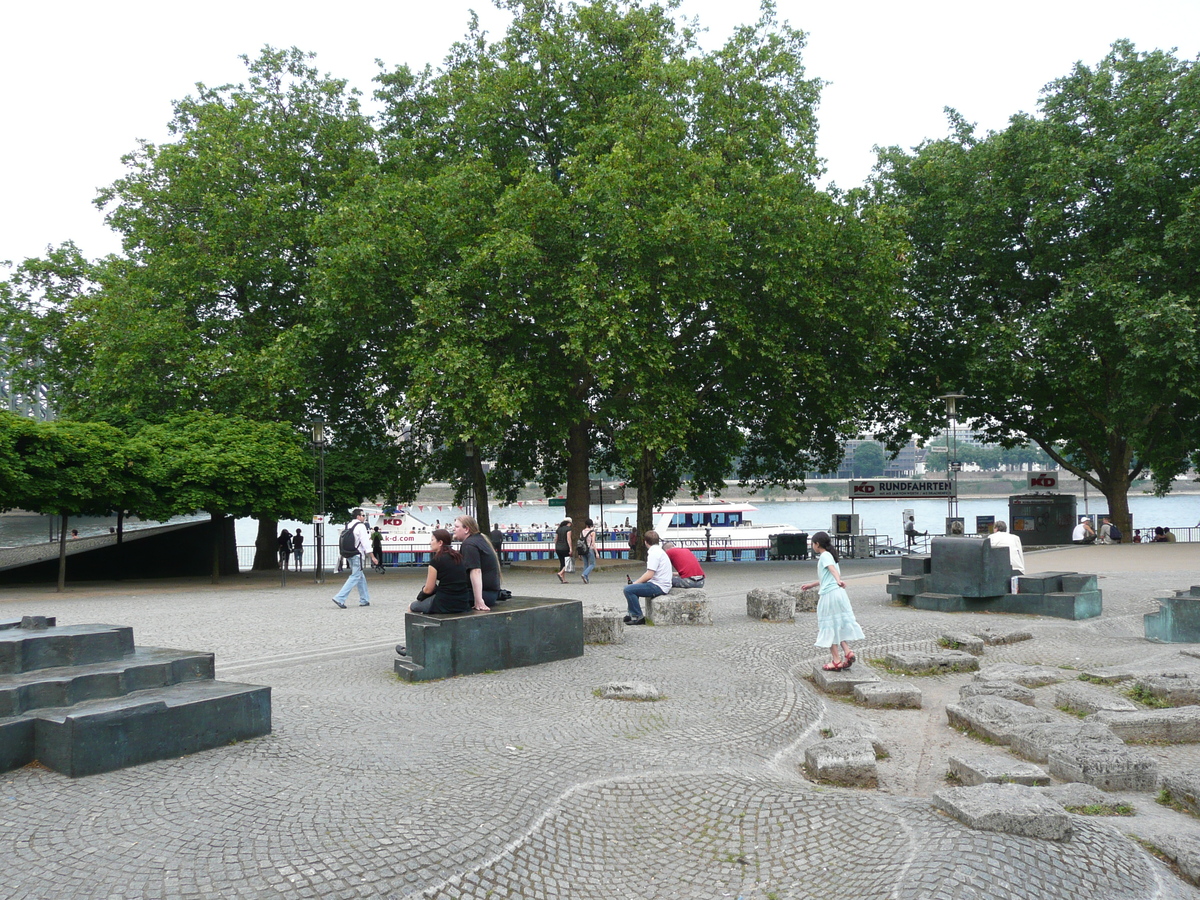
526 783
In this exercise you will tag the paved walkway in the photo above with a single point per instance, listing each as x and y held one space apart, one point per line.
525 784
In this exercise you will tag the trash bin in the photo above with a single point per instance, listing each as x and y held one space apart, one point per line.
789 546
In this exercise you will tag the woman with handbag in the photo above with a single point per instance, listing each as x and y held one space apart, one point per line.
587 549
562 546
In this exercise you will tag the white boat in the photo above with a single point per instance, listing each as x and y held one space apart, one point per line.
715 525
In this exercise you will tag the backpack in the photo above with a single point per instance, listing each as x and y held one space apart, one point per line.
1114 534
347 542
581 545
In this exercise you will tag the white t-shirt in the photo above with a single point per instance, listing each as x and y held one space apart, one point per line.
1080 533
658 561
1016 554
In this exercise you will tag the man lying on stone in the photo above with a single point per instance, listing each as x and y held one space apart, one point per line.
688 573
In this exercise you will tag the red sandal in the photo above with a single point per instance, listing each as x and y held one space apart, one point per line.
848 659
834 666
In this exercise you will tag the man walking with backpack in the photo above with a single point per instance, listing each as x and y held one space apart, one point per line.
355 549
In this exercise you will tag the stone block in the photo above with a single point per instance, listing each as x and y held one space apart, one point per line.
1041 582
629 690
860 731
765 605
1029 676
1183 850
1009 690
603 627
1176 621
1110 767
1081 697
690 607
1035 740
957 640
1178 725
1075 794
990 768
994 636
27 649
849 762
888 695
1076 583
525 631
906 585
1007 808
843 681
968 568
1180 689
993 718
934 662
806 600
938 602
1105 676
1184 788
915 564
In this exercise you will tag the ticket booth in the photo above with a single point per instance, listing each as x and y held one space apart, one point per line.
1042 518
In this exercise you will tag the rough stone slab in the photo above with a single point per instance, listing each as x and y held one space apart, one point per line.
607 627
1034 741
684 607
936 662
1079 696
1009 690
991 768
806 600
1184 788
993 718
629 690
1008 808
1029 676
765 605
1179 689
888 695
993 636
957 640
1106 766
848 761
843 681
1183 850
1073 793
1179 725
861 731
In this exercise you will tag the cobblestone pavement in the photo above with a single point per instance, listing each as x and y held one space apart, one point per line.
523 783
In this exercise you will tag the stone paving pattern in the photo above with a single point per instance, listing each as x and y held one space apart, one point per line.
525 783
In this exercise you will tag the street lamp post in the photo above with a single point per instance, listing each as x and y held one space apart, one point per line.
469 500
319 442
951 399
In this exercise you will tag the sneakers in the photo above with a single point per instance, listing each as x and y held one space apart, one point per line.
585 580
337 604
630 620
365 603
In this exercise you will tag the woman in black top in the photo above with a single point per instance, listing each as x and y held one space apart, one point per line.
562 546
447 587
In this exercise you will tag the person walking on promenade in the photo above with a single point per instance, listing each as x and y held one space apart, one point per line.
358 577
377 548
298 550
562 546
688 572
836 625
655 581
587 549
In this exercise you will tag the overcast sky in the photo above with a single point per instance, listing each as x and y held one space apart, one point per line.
85 80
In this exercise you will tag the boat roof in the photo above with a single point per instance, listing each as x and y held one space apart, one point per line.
674 508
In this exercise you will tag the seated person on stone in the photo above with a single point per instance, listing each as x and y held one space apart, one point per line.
1084 533
447 587
688 573
1016 554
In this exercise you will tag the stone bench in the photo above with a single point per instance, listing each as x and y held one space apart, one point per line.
1110 767
1029 676
765 605
937 662
1036 740
682 606
525 631
1175 689
993 718
603 627
988 768
846 761
888 695
957 640
1080 697
843 681
1008 808
1009 690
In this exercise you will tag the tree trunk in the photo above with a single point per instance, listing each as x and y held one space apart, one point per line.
579 495
216 546
266 545
62 555
645 501
479 485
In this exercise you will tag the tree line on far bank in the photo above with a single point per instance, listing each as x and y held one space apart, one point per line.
590 244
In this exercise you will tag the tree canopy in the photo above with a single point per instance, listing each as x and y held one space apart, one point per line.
1055 267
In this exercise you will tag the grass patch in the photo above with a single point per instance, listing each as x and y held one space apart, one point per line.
1144 697
1090 679
972 733
826 732
921 673
1072 711
953 779
949 644
882 754
1102 809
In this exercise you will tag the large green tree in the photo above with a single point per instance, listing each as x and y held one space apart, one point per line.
605 237
1056 268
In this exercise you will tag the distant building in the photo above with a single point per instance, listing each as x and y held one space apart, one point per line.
908 461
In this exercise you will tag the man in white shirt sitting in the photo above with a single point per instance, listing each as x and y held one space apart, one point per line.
655 581
1016 555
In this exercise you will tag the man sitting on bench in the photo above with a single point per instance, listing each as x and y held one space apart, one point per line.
688 573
